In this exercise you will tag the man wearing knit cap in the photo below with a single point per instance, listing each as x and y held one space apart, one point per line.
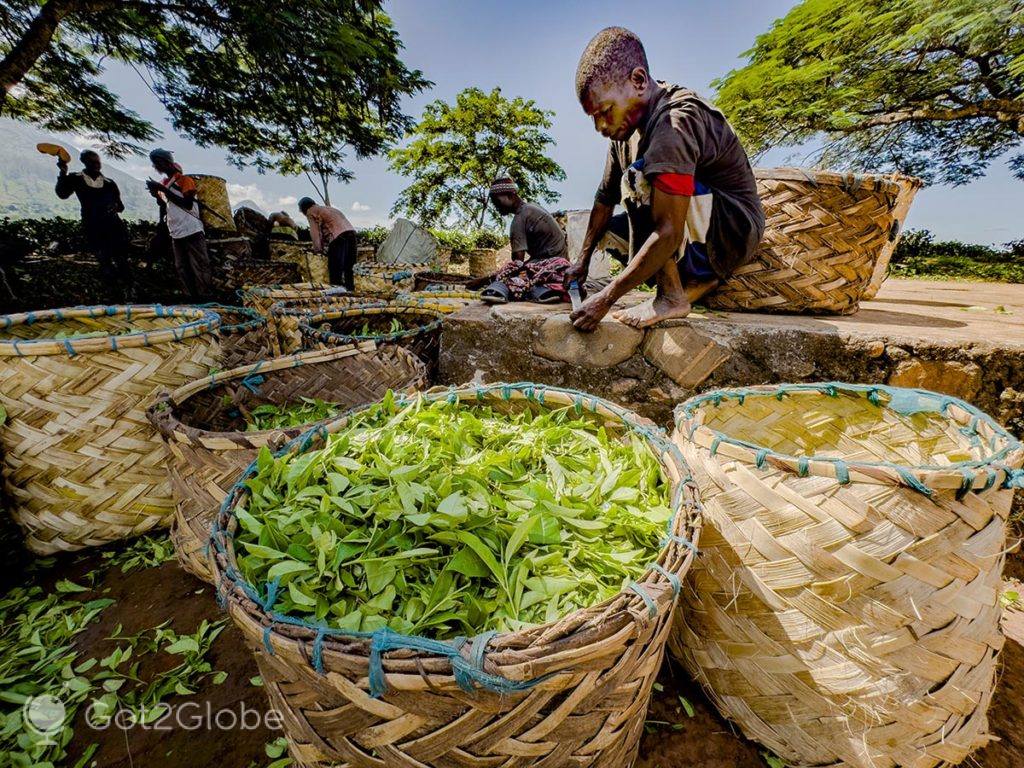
539 252
179 211
678 168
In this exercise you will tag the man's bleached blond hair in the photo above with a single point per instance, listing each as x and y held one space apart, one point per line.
610 57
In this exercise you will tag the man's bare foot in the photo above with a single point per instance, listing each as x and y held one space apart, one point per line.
653 311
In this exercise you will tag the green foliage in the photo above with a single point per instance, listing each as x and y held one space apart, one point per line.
457 150
282 87
926 87
919 255
460 241
373 236
452 520
56 236
309 411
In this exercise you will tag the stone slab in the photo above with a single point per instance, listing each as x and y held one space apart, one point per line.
610 344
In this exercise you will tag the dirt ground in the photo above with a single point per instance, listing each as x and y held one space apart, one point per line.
674 738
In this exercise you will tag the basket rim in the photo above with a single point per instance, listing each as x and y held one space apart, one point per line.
816 176
270 291
279 308
512 665
393 308
200 321
164 415
978 475
393 272
255 319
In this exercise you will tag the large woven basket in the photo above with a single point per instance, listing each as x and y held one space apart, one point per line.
312 265
909 186
288 315
259 272
483 262
845 607
203 425
82 466
385 280
263 297
571 693
824 234
420 333
243 335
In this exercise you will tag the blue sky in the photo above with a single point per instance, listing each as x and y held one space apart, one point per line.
530 49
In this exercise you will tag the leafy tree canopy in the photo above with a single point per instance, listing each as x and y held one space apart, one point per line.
457 150
927 87
279 85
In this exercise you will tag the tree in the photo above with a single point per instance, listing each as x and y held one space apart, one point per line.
927 87
287 87
457 150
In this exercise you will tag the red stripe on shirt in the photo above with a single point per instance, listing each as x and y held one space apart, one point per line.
675 183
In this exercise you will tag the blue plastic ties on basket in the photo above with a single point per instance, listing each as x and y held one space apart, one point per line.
17 351
911 480
266 639
70 348
761 457
318 651
1014 478
252 382
715 443
479 650
842 471
990 480
652 607
803 466
271 598
907 402
680 540
672 579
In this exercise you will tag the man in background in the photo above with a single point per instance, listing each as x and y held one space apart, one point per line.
333 234
179 212
105 233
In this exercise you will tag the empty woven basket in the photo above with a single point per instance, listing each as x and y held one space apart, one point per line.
845 607
572 693
824 233
204 427
81 464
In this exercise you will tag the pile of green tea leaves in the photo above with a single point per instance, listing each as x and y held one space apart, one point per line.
309 411
443 519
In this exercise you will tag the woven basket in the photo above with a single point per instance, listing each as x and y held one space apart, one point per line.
845 607
258 272
909 186
420 334
385 280
439 301
288 315
204 429
243 335
483 262
824 233
572 693
215 208
444 281
82 466
263 297
312 266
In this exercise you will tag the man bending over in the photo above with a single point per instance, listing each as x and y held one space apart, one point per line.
677 166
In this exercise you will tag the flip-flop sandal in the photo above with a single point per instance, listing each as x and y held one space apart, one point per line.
496 293
541 295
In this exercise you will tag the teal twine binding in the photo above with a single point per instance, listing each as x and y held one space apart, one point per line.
271 598
318 651
842 471
652 608
266 639
965 483
672 579
760 458
803 466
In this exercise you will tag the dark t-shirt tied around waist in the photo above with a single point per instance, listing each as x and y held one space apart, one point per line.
684 135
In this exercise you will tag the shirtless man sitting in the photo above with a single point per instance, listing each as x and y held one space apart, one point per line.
685 180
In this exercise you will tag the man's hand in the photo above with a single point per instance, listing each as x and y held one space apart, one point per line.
62 166
577 272
589 315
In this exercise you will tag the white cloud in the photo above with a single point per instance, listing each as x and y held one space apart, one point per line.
241 192
287 200
359 207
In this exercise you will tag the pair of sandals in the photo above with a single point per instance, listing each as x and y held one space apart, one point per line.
499 293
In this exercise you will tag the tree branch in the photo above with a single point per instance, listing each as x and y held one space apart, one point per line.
33 43
1001 110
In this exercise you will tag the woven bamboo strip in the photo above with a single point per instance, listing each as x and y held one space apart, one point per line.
82 466
439 301
288 315
243 335
584 680
824 233
203 425
845 607
445 281
263 297
385 280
